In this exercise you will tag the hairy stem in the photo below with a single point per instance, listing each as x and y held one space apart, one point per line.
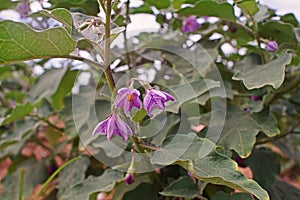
107 71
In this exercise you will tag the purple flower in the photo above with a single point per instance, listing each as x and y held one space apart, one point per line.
129 178
113 125
271 46
23 9
156 99
128 98
255 98
190 25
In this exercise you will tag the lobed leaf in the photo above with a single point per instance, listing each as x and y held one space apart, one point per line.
18 42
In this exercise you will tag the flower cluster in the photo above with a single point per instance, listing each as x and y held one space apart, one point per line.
128 98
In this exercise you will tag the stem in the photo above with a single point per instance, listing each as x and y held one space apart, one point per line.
125 34
255 29
21 182
295 82
53 176
101 3
107 71
92 63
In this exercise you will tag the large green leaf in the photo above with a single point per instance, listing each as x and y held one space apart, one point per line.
237 196
240 129
42 89
18 112
207 164
210 8
60 14
182 187
34 174
72 175
265 166
92 184
279 31
162 4
258 76
144 191
188 91
281 190
249 7
19 42
64 88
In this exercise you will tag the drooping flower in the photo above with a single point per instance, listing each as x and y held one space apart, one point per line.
112 126
128 98
129 178
156 99
271 46
190 25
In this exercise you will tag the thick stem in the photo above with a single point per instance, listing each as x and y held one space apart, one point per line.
125 35
107 71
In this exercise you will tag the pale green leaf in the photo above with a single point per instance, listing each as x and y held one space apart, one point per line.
240 129
72 175
65 86
258 76
249 7
42 89
18 112
60 14
18 42
210 8
92 184
236 196
182 187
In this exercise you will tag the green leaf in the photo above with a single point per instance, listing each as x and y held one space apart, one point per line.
162 4
182 187
17 113
7 4
142 9
188 91
282 33
290 18
42 89
34 174
144 191
236 196
177 3
249 7
200 157
264 165
122 188
258 76
60 14
92 184
89 7
172 151
72 175
65 86
210 8
240 128
282 190
19 42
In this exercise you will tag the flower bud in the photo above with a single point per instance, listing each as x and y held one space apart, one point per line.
255 98
129 178
271 46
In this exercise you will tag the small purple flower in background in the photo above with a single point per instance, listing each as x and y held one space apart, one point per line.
156 99
113 125
128 98
129 178
255 98
271 46
190 25
23 9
